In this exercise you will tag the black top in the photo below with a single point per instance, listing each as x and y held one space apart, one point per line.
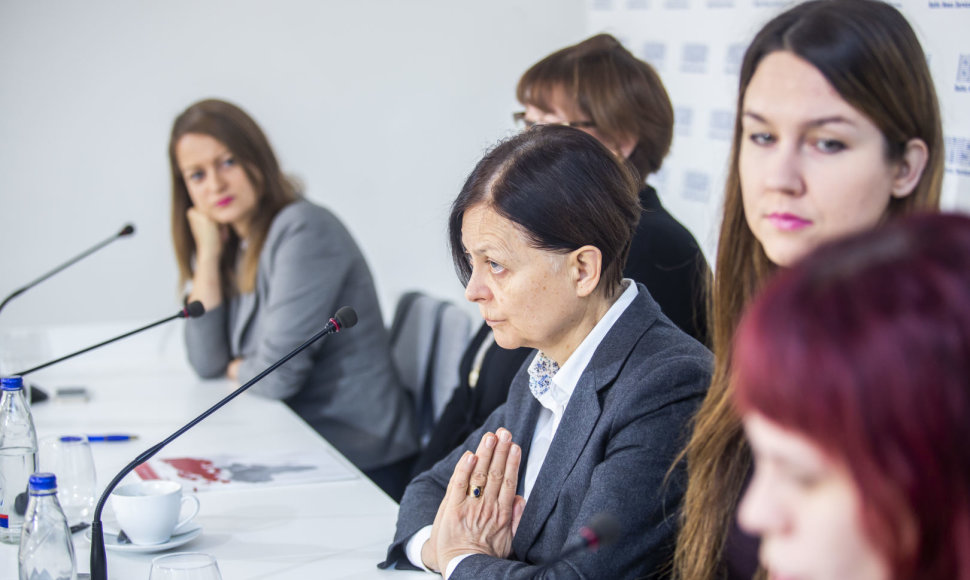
664 257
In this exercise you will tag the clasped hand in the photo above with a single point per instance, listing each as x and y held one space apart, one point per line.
484 522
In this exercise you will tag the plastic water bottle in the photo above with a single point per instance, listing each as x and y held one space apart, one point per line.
46 549
18 457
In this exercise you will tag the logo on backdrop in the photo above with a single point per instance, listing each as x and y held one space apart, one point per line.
676 4
697 186
638 4
683 121
654 53
693 58
720 3
770 3
963 74
722 125
733 58
949 4
602 4
957 155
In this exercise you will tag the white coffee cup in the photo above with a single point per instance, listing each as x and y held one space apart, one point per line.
148 511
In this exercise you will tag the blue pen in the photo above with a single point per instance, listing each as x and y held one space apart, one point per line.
110 438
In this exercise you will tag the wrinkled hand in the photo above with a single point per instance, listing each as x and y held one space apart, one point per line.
208 234
466 524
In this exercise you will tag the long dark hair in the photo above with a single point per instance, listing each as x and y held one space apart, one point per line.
871 56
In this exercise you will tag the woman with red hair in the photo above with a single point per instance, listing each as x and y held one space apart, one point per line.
852 375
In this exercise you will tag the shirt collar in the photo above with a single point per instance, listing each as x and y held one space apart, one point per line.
565 381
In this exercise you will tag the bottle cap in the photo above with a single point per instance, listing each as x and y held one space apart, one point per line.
12 383
43 482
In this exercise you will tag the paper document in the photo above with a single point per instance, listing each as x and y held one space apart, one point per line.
245 471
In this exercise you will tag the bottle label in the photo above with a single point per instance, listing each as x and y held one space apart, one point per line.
4 521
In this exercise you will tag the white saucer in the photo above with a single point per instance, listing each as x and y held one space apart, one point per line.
111 541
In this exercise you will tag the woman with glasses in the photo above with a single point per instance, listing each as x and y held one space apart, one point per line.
599 87
539 235
271 268
868 478
837 131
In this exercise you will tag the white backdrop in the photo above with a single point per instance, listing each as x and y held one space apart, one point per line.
697 46
381 107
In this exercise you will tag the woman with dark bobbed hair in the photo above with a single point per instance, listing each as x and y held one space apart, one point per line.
539 234
599 87
857 407
837 130
271 268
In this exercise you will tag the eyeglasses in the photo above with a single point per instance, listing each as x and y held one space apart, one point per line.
524 124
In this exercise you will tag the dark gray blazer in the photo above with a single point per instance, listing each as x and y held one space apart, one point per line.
624 424
344 386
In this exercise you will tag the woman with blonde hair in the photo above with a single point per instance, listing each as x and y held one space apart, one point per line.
837 130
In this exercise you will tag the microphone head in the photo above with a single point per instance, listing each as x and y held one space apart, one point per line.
603 530
345 317
193 309
127 230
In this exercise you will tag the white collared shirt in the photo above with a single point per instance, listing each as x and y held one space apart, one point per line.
554 403
554 400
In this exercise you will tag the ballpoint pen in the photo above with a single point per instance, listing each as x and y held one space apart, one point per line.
110 438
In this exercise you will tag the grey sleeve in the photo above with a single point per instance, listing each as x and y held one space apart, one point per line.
305 266
207 343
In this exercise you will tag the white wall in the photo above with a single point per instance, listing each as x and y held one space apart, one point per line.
380 106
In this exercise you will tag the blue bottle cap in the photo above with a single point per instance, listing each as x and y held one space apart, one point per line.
43 482
12 383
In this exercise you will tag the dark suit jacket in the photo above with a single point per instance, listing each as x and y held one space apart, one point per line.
623 426
665 258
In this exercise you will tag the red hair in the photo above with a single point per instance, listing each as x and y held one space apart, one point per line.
864 348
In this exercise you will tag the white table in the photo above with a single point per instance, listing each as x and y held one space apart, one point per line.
320 530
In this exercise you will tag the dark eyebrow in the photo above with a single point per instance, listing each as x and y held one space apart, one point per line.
813 123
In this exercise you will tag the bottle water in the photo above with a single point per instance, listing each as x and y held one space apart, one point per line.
18 457
46 548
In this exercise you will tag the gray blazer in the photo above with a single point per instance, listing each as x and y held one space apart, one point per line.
624 424
344 386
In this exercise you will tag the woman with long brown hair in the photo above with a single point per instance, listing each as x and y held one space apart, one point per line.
837 129
271 268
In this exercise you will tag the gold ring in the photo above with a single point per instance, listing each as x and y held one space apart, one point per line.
475 492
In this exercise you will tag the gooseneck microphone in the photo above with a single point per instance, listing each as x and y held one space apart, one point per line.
344 318
125 231
192 310
603 530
